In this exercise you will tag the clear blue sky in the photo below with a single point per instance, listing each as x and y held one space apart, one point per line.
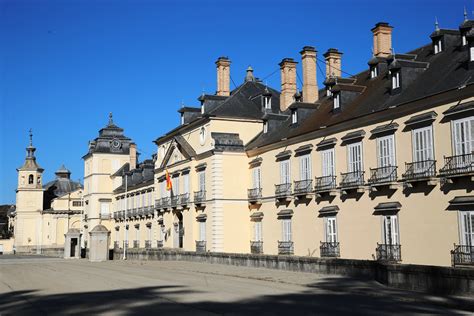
64 65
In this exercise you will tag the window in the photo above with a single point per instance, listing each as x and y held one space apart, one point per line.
390 230
182 119
202 180
286 229
257 231
186 183
330 229
328 91
354 157
294 117
202 135
149 232
202 109
463 136
202 231
137 232
176 185
464 40
104 208
267 102
471 53
76 203
137 201
437 46
336 100
30 179
467 228
386 151
265 127
373 72
422 144
256 178
305 167
327 162
285 176
143 199
395 80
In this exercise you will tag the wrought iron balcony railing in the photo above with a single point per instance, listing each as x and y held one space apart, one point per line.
183 199
200 246
116 244
148 211
383 175
420 170
165 202
459 165
387 252
285 247
104 215
147 244
324 184
159 243
199 197
462 255
116 215
329 249
174 200
351 180
122 214
254 194
283 190
303 187
136 244
256 247
140 211
158 204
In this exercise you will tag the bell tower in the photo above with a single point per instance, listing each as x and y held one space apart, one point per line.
29 200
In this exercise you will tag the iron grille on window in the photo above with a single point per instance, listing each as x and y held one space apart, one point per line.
383 175
387 252
256 247
325 183
199 196
352 179
200 246
283 190
462 255
420 170
285 247
254 194
329 249
458 165
303 186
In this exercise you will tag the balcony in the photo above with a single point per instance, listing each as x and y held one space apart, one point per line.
121 215
352 181
325 185
200 246
136 244
148 244
285 248
165 203
116 216
183 199
105 216
200 198
255 195
462 255
383 176
330 249
116 244
141 212
125 244
283 191
420 171
303 189
148 211
256 247
174 201
457 166
388 253
158 204
159 244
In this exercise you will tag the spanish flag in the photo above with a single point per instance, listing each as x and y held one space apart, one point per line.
169 184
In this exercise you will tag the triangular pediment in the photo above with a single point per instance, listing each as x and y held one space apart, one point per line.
179 150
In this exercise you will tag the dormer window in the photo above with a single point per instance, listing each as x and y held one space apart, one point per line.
294 117
471 53
328 91
464 39
437 46
202 109
395 80
267 102
265 127
337 100
373 72
182 119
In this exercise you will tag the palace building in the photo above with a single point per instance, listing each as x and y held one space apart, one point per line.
375 166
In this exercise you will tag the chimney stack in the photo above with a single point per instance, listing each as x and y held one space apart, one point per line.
333 63
223 76
382 39
133 156
288 82
310 83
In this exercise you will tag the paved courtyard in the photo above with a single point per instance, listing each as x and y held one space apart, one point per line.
45 286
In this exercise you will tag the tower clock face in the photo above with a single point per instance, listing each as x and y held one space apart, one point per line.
116 144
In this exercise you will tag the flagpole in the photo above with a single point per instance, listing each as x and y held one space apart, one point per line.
126 230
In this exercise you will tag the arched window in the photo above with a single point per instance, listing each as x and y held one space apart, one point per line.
30 179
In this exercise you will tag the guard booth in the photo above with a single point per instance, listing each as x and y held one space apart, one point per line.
99 238
72 244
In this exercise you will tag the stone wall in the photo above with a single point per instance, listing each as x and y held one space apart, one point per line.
430 279
47 251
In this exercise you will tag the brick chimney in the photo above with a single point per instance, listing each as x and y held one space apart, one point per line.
382 39
310 83
288 82
223 76
333 63
133 156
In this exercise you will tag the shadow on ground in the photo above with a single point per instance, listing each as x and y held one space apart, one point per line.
338 296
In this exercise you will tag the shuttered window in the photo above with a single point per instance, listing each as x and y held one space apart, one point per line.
202 180
257 231
423 144
202 231
386 151
467 226
186 183
305 167
390 230
176 188
286 229
256 178
327 159
285 176
354 157
331 229
463 136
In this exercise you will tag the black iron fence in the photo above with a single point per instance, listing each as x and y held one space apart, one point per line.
420 170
